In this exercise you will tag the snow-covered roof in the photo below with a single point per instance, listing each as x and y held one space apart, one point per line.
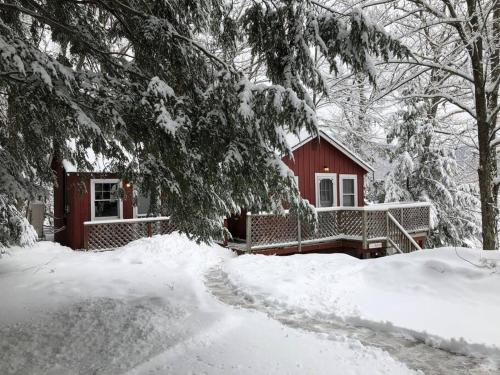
102 165
303 138
99 164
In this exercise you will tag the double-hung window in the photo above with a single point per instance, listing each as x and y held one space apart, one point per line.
326 189
105 203
348 190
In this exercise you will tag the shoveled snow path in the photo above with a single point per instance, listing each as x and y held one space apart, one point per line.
144 309
403 345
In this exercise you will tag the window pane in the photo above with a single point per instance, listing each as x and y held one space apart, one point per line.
106 187
98 195
326 193
106 209
142 204
348 186
348 200
98 187
113 191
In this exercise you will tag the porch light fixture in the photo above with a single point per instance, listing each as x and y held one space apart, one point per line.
128 184
326 169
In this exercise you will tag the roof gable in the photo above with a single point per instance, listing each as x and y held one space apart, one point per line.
339 146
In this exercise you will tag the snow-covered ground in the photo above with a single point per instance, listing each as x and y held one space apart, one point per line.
144 309
449 297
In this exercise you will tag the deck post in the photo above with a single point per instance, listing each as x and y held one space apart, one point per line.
249 231
299 234
428 222
365 229
386 226
85 237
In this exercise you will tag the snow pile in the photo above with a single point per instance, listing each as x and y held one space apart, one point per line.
14 227
144 309
434 292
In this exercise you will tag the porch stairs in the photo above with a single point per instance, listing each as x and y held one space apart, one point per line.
398 238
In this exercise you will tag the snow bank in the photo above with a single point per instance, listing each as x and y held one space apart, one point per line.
438 293
144 309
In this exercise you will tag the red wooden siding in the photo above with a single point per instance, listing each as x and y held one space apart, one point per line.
309 159
74 189
128 201
312 158
237 225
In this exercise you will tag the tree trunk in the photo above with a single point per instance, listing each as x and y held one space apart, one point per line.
486 174
487 162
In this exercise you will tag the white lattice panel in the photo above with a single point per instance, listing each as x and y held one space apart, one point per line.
351 223
117 234
376 224
415 219
273 229
328 226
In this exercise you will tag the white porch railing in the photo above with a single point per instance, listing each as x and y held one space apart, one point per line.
264 230
365 224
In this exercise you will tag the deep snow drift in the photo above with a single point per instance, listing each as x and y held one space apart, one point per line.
437 292
144 309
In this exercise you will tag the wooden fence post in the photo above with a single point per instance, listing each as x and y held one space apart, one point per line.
299 234
85 237
249 231
365 229
149 230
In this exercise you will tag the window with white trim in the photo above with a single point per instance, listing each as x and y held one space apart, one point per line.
142 204
326 189
106 203
348 190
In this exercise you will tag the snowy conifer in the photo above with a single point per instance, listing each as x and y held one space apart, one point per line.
424 170
154 87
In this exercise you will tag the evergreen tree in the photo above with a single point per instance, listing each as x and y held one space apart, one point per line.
423 170
153 86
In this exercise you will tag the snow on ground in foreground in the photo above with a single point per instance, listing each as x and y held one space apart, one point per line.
432 291
143 309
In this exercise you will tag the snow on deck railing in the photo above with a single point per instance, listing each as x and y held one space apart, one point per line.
268 230
366 224
109 234
136 220
371 207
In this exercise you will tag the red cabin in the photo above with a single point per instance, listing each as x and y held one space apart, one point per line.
87 196
95 210
328 175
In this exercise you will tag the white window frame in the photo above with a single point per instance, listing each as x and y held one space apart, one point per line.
135 206
135 210
341 183
321 176
92 198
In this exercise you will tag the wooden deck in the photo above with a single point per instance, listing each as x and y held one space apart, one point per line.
361 230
